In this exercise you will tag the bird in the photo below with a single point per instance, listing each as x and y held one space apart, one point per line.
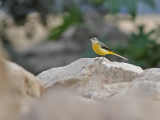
102 49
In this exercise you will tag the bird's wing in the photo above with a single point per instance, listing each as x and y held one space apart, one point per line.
104 46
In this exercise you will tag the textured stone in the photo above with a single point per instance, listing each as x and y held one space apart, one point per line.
18 89
111 90
90 77
88 69
63 104
152 74
147 85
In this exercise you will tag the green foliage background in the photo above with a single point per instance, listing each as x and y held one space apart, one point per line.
140 49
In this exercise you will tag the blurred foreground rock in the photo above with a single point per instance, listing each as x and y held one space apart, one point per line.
88 90
18 89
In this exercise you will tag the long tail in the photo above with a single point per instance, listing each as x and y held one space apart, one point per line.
110 52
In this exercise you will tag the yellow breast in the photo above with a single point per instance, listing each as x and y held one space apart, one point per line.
97 49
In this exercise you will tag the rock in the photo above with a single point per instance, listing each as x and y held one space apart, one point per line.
90 77
61 105
64 104
18 89
147 85
25 83
81 90
152 74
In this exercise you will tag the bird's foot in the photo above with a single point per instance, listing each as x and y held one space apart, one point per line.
96 59
99 60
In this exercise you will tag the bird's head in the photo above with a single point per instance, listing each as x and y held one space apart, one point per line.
94 40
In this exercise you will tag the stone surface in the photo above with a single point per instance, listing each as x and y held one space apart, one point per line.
91 77
88 68
69 105
86 89
152 74
18 89
147 85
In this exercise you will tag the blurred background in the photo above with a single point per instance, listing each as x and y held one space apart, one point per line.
41 34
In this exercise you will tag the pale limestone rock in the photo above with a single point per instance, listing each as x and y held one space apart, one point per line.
18 89
152 74
25 83
91 77
85 68
134 96
61 104
74 71
147 85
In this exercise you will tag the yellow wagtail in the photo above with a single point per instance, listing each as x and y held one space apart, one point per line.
102 49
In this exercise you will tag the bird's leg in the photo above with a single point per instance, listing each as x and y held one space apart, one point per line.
102 59
97 58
